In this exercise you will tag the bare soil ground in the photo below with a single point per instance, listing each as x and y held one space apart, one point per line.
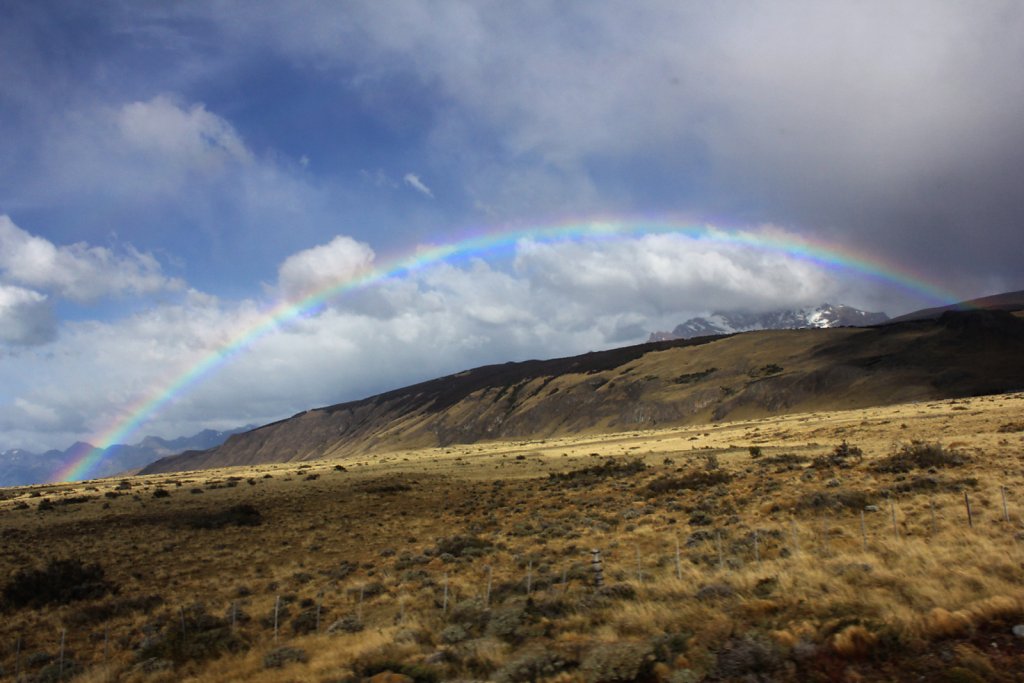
830 546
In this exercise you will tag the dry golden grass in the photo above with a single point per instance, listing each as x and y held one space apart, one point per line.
776 574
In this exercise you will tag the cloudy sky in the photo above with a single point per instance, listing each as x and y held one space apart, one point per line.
172 172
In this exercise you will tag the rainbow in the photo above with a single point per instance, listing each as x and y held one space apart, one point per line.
839 259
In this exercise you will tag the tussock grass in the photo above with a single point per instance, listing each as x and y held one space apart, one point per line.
468 563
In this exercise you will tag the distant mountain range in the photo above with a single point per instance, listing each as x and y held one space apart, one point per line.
825 315
19 467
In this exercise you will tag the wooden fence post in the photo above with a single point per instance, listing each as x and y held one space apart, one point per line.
863 532
970 517
892 509
597 567
319 607
679 564
60 667
277 609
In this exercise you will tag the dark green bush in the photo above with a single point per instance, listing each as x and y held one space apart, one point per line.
192 635
236 515
692 481
588 476
920 455
839 457
60 582
279 656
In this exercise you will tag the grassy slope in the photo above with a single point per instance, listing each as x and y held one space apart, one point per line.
654 385
929 598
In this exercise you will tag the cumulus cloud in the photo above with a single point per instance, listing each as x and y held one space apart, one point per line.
554 298
413 181
660 273
77 271
312 270
190 135
26 317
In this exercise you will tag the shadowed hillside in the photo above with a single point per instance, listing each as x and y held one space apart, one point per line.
654 385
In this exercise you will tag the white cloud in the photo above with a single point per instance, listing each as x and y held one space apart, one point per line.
192 136
329 264
413 181
556 299
77 271
26 317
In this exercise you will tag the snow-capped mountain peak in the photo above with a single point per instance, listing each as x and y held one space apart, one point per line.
718 322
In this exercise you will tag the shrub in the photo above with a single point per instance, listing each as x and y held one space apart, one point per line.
236 515
534 665
839 456
619 662
306 621
692 481
844 498
279 656
60 582
783 460
192 635
693 377
748 656
385 660
920 455
349 623
386 487
97 613
462 546
588 476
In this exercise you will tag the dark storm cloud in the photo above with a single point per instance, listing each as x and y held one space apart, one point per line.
893 127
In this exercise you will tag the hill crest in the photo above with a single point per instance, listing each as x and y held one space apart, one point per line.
654 384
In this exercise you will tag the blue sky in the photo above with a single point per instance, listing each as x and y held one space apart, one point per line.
171 171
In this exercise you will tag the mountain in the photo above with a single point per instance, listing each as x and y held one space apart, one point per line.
20 467
657 384
825 315
1009 301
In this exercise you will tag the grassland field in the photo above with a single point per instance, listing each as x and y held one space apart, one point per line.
829 546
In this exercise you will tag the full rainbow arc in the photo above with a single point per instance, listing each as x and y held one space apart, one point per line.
829 257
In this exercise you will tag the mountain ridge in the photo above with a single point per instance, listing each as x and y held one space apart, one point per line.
20 467
824 316
704 379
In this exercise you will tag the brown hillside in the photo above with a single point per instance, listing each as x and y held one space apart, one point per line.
1008 301
654 385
